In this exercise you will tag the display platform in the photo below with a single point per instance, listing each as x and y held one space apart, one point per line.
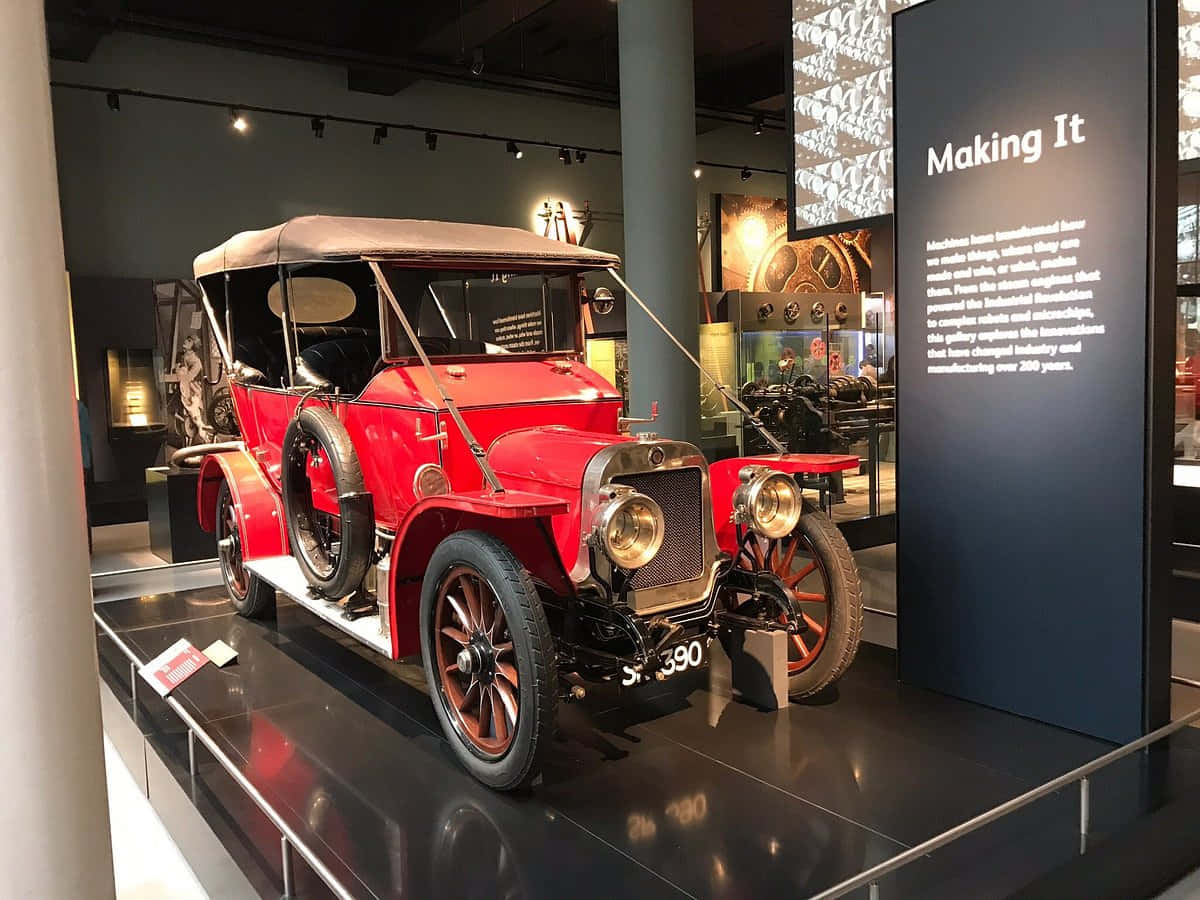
668 790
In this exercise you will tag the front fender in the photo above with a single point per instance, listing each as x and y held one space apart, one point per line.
723 476
259 509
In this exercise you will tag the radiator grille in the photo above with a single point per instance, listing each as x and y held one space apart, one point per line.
681 558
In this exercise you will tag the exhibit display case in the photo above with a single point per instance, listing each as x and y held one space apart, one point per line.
819 371
133 401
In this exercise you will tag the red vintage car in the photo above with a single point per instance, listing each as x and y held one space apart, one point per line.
427 464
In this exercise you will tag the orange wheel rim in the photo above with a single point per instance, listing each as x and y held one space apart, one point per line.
475 661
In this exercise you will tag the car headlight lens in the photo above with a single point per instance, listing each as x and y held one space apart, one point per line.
768 501
629 527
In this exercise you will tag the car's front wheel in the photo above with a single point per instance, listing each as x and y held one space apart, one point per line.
489 659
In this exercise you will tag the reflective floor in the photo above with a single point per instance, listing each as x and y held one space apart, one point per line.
662 791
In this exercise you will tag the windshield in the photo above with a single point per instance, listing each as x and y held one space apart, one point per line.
469 314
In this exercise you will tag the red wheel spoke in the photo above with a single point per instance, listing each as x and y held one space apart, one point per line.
759 562
808 598
471 595
499 716
455 635
464 617
470 697
791 580
507 672
801 646
508 698
485 712
452 668
812 623
786 564
497 621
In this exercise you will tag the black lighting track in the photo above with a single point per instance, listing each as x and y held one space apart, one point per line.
111 92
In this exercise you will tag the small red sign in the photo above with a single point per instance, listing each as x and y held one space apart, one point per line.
173 666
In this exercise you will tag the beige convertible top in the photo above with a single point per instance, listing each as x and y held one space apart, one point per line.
310 239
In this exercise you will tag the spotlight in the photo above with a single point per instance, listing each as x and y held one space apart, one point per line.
318 127
512 148
580 156
477 61
238 121
759 122
431 140
380 134
565 155
697 172
746 173
114 101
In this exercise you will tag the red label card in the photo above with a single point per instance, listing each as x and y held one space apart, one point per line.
173 666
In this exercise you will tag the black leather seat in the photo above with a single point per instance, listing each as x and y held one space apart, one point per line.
347 361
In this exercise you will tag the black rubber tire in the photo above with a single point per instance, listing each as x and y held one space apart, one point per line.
533 649
253 597
845 604
354 503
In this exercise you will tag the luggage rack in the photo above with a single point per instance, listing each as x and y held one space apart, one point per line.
288 840
870 878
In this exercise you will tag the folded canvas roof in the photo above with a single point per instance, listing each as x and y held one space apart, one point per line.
311 239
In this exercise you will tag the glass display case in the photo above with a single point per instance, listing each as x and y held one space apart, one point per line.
133 399
819 371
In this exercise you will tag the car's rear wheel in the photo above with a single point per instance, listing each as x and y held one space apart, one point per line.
251 596
814 562
489 659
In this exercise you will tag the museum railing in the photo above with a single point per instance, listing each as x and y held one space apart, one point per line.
870 878
288 839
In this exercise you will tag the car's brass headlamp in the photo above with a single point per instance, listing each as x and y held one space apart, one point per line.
767 501
629 527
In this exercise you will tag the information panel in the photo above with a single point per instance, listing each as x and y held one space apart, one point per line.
1022 222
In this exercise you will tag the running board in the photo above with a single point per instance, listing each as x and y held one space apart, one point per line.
283 573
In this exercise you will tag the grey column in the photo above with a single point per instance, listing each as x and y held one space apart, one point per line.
658 147
54 831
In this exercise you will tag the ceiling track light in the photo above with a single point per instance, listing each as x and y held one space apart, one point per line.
565 155
580 156
746 173
318 127
759 124
477 61
114 101
697 172
431 140
237 120
512 148
380 134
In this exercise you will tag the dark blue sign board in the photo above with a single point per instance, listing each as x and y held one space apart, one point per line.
1034 192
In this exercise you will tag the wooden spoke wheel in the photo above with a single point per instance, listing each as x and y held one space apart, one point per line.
475 661
794 561
815 567
489 659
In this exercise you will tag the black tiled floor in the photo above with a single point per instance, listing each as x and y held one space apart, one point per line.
668 790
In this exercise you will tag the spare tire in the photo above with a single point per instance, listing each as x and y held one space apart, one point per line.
332 573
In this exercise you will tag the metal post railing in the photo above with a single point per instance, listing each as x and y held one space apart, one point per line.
870 878
288 837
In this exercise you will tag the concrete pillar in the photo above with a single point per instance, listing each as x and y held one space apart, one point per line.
658 147
54 831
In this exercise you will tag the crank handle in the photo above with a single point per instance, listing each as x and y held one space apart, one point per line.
440 436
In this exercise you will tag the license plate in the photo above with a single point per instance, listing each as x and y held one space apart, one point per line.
675 659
